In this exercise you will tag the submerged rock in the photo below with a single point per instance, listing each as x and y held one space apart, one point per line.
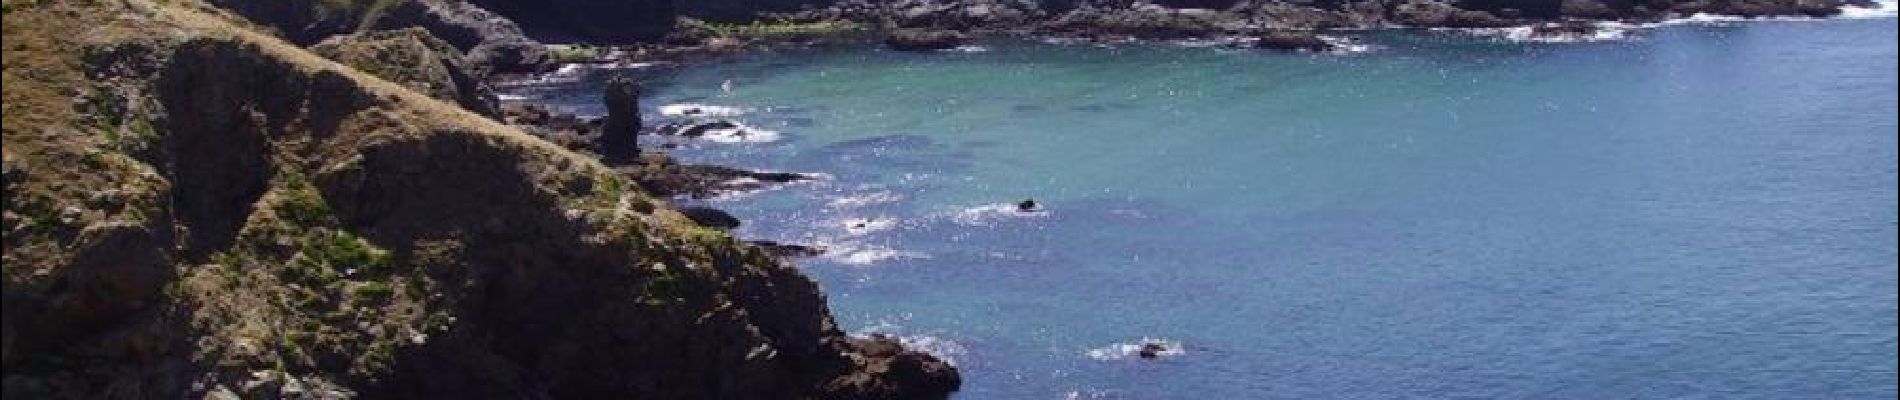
924 39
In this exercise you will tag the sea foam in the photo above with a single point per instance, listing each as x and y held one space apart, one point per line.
1122 351
701 110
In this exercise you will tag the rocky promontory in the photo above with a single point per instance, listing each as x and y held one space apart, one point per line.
196 208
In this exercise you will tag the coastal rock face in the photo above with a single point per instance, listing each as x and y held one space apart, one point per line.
963 14
248 220
619 135
414 58
1434 13
1295 41
1143 21
591 21
491 42
924 39
739 11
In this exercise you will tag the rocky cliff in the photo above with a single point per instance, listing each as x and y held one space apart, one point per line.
621 21
196 209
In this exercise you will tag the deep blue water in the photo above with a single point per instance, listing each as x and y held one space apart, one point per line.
1700 212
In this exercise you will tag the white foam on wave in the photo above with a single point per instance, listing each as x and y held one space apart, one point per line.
1122 351
864 199
1881 9
866 226
741 133
861 254
511 97
970 48
1531 34
947 350
1346 45
1614 30
986 214
701 110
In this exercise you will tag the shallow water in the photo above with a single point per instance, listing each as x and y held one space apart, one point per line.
1694 212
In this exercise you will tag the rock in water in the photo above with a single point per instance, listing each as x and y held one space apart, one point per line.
710 217
924 39
1290 40
619 137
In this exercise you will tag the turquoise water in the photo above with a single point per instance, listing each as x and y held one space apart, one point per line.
1701 212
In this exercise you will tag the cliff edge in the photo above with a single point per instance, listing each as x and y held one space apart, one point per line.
194 208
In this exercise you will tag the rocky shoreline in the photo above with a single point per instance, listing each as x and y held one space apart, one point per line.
327 199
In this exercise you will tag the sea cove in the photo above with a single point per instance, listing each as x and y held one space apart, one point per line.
1700 210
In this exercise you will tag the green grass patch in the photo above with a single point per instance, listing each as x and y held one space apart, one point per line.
573 53
772 30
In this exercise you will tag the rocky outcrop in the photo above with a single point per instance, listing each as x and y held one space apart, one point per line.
491 42
963 14
1143 21
924 39
1293 41
620 132
308 231
590 21
414 58
1434 13
710 217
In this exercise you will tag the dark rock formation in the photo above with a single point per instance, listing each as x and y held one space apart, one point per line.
491 42
787 250
1434 13
924 39
414 58
696 128
963 14
1143 21
710 217
590 21
619 136
1293 40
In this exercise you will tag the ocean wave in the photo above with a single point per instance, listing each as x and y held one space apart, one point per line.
574 73
1615 30
1881 9
1346 45
864 199
1544 33
969 48
947 350
866 226
741 133
701 110
859 254
1122 351
986 214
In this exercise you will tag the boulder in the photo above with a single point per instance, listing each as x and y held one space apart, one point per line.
412 57
924 39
